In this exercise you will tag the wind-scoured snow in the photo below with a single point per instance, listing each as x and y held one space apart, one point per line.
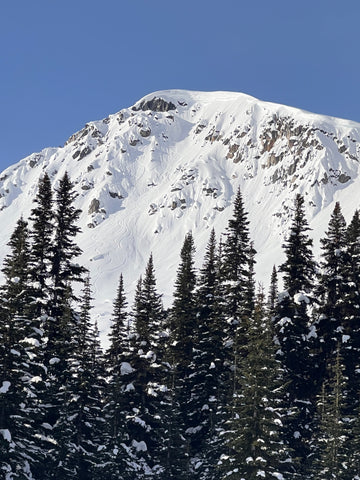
172 163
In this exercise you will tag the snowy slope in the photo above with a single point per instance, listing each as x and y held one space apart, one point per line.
172 163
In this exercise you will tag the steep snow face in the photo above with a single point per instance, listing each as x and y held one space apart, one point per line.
172 163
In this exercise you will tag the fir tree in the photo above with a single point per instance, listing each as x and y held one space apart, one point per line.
118 357
79 427
64 251
20 365
59 325
273 293
208 378
16 293
141 406
332 287
237 273
254 431
333 453
42 217
293 327
183 332
237 265
351 312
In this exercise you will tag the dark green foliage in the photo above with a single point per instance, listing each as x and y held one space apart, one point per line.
183 334
42 218
78 394
351 312
138 374
237 265
237 278
293 332
254 430
206 403
332 286
64 250
299 267
273 293
20 364
117 357
333 455
16 293
223 386
183 317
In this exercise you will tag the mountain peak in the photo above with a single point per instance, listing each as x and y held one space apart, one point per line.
173 162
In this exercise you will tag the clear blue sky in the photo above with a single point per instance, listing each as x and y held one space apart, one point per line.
64 63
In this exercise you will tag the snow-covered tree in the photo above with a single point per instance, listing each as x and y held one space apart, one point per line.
20 365
206 403
293 331
138 373
41 233
64 250
333 450
254 436
183 334
84 395
237 277
332 287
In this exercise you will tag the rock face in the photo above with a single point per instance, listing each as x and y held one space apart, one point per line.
172 163
156 105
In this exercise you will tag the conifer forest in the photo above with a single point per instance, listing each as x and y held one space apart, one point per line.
229 382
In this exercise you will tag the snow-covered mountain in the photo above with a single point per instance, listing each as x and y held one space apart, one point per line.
172 163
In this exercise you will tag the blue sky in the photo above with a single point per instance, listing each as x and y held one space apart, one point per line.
64 63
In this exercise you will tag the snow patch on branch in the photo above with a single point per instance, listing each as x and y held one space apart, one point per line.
5 387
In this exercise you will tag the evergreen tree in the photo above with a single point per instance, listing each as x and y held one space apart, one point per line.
20 364
42 217
141 405
183 332
79 427
293 327
64 251
333 452
207 397
351 312
238 262
273 293
254 431
332 287
237 275
151 371
118 357
60 324
16 293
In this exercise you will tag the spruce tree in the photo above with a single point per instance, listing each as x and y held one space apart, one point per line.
64 251
293 327
118 367
332 287
20 365
151 370
255 446
207 398
79 428
333 452
237 276
351 314
273 293
42 217
140 382
183 332
60 324
17 293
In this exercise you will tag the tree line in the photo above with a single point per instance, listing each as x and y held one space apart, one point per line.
230 382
